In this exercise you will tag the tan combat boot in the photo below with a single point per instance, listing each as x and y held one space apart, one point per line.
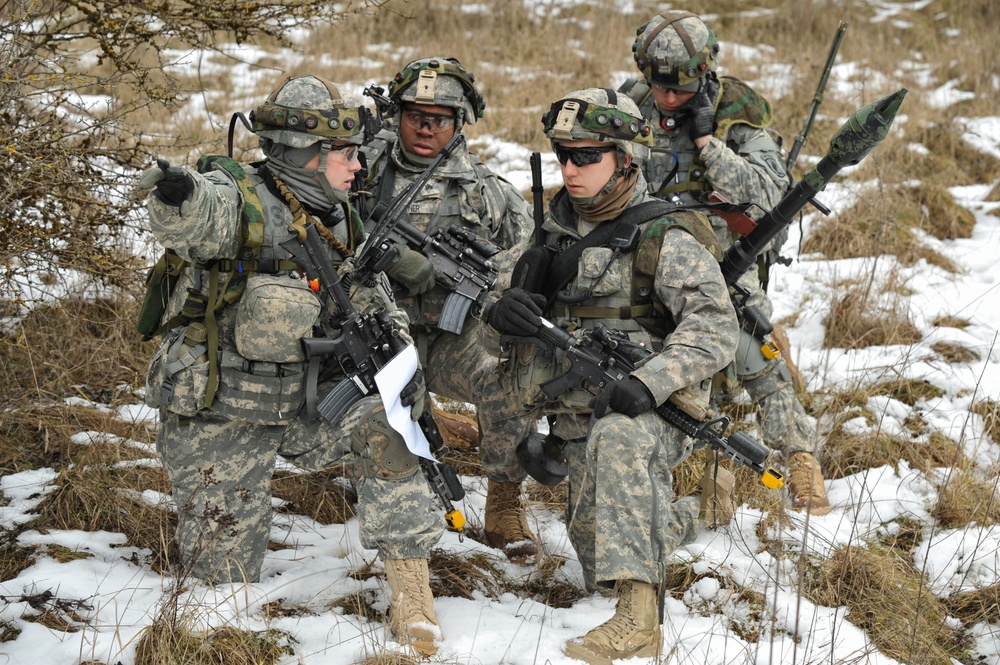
633 631
717 504
805 484
411 613
506 526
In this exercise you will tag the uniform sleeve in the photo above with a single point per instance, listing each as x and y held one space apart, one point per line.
210 225
690 285
752 173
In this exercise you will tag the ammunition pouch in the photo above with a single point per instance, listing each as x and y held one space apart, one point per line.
160 282
531 272
264 393
177 378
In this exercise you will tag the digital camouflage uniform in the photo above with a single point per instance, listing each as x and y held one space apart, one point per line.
744 164
220 457
462 192
623 518
621 466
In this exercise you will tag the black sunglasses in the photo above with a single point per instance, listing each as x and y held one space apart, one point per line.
582 156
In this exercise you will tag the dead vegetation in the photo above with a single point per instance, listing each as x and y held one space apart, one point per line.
890 601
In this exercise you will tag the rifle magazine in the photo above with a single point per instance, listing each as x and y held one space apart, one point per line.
339 400
456 308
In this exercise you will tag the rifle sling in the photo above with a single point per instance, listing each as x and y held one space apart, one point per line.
564 266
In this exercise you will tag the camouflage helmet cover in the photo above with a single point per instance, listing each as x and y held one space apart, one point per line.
676 49
439 81
306 109
600 114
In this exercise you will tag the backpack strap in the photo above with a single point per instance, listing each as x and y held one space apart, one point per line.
647 255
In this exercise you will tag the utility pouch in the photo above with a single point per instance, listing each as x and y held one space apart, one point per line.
264 393
275 313
160 282
177 378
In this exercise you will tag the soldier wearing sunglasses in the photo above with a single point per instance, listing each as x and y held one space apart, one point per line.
622 516
432 100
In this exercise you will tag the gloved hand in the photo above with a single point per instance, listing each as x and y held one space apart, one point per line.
517 312
414 395
702 115
628 396
171 184
411 269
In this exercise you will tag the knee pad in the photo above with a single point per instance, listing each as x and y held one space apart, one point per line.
382 449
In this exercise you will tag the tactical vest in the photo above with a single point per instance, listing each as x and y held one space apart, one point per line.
645 309
435 213
736 103
162 277
198 315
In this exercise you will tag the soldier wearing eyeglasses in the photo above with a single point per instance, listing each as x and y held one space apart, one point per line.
229 376
433 99
622 516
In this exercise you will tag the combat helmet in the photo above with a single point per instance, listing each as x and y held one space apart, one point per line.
600 114
439 81
676 49
306 109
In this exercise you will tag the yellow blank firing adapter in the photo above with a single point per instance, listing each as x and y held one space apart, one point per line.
455 520
772 479
770 350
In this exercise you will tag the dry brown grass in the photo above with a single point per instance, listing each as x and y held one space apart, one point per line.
967 497
88 349
955 353
859 318
989 410
980 606
877 224
888 599
319 495
167 642
845 454
78 347
99 493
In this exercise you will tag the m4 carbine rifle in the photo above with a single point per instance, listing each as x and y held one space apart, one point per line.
602 356
460 257
363 344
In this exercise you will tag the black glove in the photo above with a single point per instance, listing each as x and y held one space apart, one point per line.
414 394
517 312
173 186
702 115
627 396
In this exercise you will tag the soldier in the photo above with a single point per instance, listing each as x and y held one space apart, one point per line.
710 134
433 98
231 386
622 516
